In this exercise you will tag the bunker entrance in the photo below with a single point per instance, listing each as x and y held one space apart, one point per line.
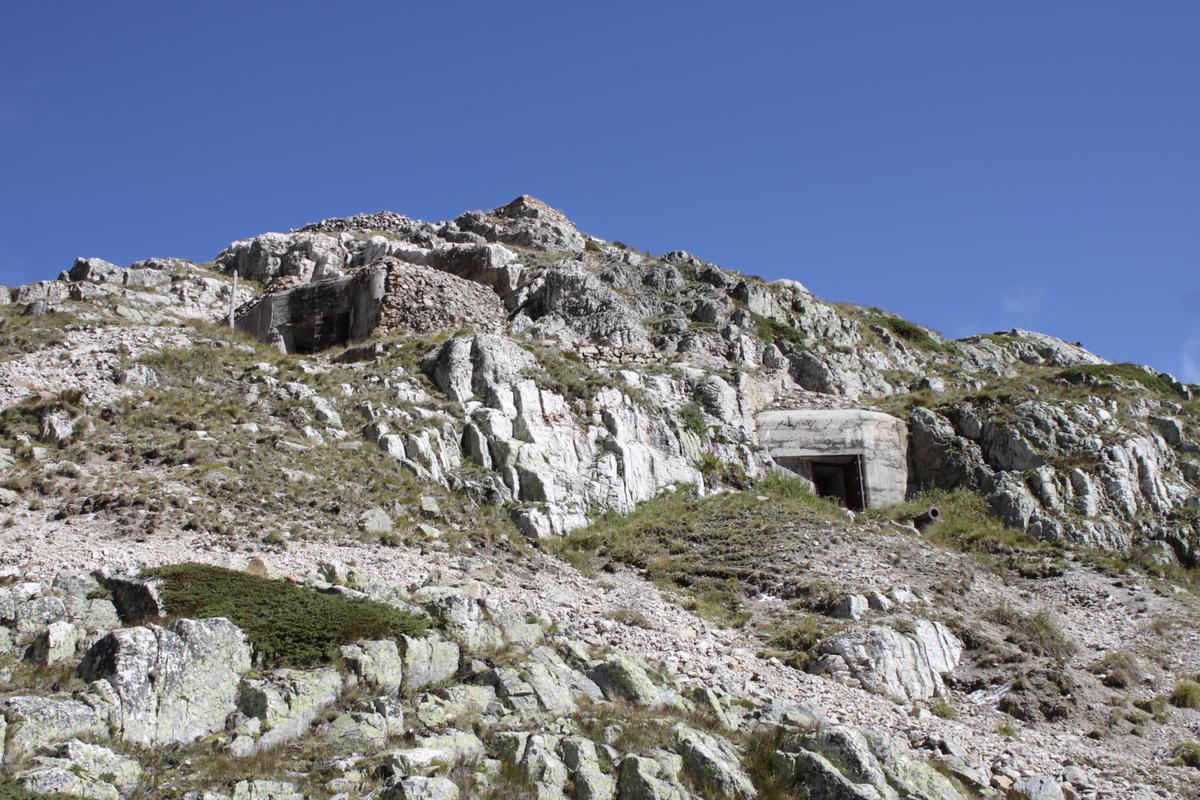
325 331
836 477
840 478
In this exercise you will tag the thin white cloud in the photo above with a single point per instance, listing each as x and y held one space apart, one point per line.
1022 300
1189 361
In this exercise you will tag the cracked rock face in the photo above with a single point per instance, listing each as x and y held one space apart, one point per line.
902 666
170 685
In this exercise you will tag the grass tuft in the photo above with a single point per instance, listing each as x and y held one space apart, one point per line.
1186 694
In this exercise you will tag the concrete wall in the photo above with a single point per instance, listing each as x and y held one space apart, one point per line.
881 441
329 312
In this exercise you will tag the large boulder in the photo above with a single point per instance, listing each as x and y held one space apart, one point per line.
713 763
904 667
286 701
170 685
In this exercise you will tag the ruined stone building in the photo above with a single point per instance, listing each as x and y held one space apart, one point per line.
387 295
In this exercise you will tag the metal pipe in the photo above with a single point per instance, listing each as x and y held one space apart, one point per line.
233 297
928 518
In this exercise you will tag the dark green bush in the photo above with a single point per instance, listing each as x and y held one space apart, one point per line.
288 625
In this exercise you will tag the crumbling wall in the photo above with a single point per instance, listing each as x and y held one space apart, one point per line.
317 315
387 296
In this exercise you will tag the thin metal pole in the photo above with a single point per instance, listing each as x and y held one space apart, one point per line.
233 297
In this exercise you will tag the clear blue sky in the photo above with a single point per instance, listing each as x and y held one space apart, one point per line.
970 165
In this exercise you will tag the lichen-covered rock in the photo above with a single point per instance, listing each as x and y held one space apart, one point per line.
376 663
588 780
713 763
427 661
642 778
422 788
286 701
821 779
82 770
266 790
31 723
620 677
901 666
172 685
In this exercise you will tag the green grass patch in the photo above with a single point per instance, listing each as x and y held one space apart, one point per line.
691 416
1187 754
944 710
775 332
1038 633
966 525
11 790
795 641
1118 670
1112 379
909 332
713 550
288 625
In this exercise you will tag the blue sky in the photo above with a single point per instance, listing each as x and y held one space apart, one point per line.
972 166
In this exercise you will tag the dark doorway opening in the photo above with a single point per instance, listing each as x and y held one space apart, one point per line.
326 331
840 478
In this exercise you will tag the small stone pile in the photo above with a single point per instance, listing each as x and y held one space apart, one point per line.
423 300
382 221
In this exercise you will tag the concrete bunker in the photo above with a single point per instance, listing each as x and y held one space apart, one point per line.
313 316
387 296
855 456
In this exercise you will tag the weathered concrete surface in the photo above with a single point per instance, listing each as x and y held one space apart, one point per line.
320 314
879 440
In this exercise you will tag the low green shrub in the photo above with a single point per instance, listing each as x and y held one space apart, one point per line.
288 625
691 416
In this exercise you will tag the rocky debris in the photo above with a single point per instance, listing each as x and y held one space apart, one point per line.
308 256
422 300
903 666
168 685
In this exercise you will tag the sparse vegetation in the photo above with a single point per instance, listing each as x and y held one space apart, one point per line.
1118 670
1186 694
1187 754
966 525
288 625
692 418
710 549
944 710
909 332
1039 632
11 790
795 641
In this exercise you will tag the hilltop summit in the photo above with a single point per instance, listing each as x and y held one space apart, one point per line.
494 507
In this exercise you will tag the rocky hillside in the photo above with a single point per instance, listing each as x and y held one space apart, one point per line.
520 536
